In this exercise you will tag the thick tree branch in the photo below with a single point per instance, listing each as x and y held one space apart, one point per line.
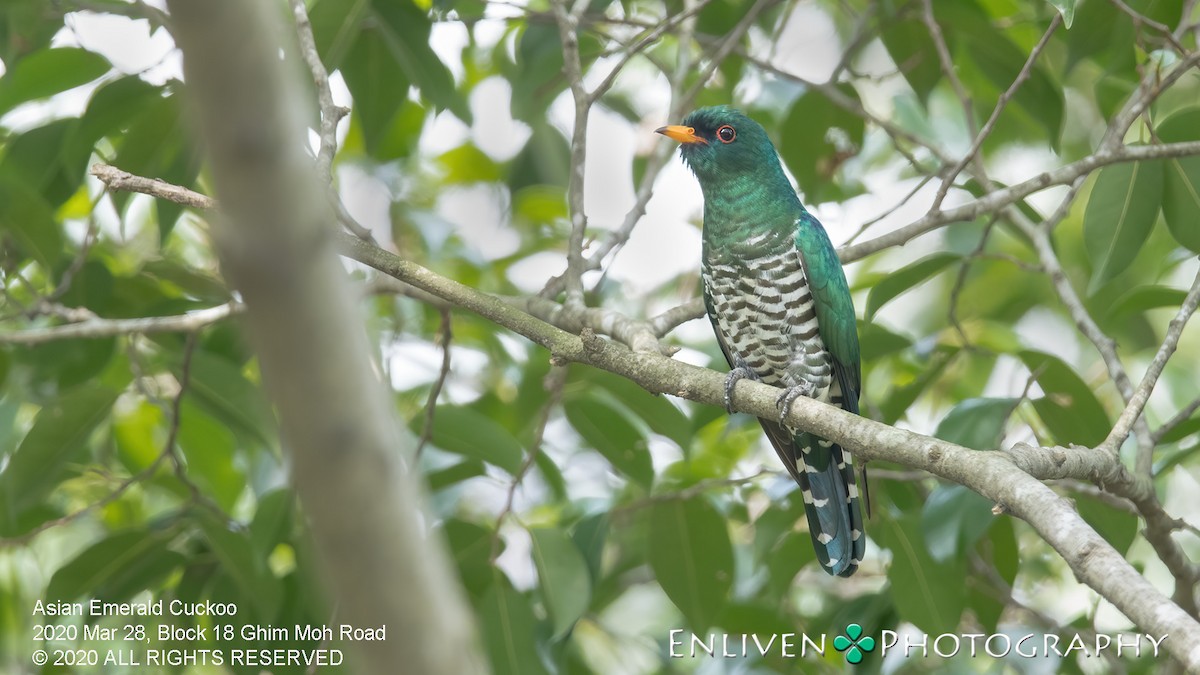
360 494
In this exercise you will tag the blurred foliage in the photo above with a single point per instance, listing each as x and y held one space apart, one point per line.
625 524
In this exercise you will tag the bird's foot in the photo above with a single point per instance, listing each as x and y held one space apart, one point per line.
789 396
739 373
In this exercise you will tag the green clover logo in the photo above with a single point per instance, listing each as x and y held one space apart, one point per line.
854 644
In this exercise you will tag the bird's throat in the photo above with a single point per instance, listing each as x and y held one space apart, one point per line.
743 206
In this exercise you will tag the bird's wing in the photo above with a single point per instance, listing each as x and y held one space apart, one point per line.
835 309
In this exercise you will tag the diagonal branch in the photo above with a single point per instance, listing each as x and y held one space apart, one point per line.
1137 403
972 154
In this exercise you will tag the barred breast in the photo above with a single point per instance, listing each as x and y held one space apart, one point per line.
764 311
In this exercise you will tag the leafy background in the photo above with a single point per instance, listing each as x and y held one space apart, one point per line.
588 518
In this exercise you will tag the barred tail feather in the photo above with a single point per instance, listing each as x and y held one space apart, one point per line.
827 484
830 492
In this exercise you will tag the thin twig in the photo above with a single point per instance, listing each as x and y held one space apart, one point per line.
435 391
331 113
99 328
972 154
690 491
1179 418
554 382
947 61
1137 403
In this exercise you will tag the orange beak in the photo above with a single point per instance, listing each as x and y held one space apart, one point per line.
681 134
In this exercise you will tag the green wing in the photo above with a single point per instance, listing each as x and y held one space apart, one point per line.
835 308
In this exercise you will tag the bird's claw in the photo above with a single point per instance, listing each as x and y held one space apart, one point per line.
789 396
739 373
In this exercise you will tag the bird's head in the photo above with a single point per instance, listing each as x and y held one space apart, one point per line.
721 143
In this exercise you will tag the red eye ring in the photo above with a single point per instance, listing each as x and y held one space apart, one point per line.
726 134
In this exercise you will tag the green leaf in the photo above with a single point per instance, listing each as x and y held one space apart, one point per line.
467 432
692 557
471 546
1101 33
158 143
1001 62
454 474
536 71
1181 200
876 342
50 159
656 411
218 386
134 432
817 138
1120 213
544 161
1181 431
925 592
1181 184
114 105
336 26
1118 527
405 30
1069 408
210 449
115 568
1143 298
272 519
379 87
976 423
908 43
25 27
905 278
953 519
562 576
468 164
589 536
245 564
58 437
999 550
605 428
509 630
786 558
48 72
25 214
1067 9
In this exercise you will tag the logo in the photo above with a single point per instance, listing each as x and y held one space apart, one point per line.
854 644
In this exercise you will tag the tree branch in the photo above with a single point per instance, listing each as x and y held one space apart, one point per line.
331 113
1137 403
99 328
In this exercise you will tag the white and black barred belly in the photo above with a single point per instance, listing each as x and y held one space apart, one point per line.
763 312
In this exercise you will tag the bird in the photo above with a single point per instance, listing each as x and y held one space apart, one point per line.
778 301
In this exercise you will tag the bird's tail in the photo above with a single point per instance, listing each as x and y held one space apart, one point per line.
826 477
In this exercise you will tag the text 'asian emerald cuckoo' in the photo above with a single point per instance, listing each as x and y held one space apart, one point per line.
779 303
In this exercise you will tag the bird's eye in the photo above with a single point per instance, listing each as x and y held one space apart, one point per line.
726 134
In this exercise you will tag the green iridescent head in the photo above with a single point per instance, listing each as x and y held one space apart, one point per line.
721 143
